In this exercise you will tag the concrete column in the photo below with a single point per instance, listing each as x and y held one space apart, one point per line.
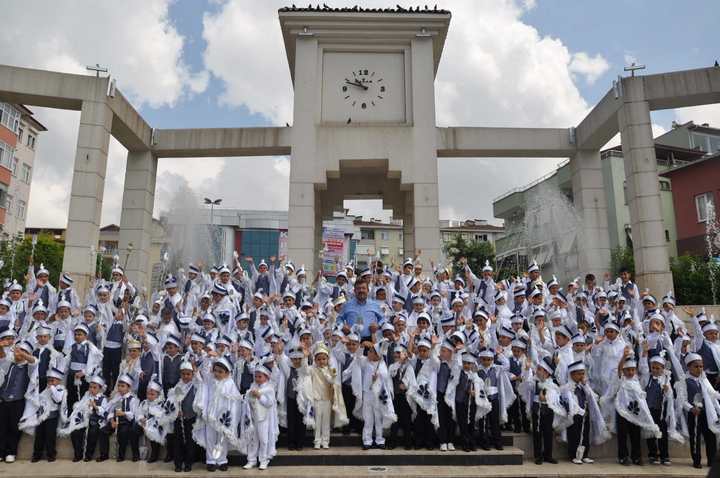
425 209
136 218
317 240
652 265
301 210
593 241
86 195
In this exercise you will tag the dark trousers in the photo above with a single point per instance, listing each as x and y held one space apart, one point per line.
465 413
111 367
626 429
658 447
295 425
446 430
698 427
423 430
349 399
542 427
404 420
10 415
581 423
517 416
86 439
74 393
46 438
127 434
185 448
489 427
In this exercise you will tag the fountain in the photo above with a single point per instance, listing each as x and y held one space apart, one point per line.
190 238
551 230
712 242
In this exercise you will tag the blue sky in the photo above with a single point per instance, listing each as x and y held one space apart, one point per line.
664 35
221 63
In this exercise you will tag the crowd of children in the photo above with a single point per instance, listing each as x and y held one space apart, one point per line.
223 361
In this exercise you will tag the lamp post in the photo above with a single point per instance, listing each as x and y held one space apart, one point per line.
212 203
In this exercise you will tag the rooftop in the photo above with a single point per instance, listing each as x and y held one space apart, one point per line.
669 173
398 9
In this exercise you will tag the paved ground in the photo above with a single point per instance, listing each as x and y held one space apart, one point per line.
64 468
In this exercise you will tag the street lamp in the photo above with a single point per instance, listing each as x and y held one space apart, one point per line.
212 204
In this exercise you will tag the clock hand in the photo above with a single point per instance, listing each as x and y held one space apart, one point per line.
359 85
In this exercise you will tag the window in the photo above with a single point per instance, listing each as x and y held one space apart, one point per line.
703 203
9 117
667 235
13 166
6 155
401 235
367 234
481 237
665 186
20 135
8 204
26 173
31 141
384 235
21 209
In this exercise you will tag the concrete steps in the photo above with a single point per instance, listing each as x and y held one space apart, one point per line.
354 456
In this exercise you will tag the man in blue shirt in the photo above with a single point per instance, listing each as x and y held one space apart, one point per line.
361 313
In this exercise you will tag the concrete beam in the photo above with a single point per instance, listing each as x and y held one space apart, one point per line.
198 143
681 89
463 142
600 125
51 89
128 126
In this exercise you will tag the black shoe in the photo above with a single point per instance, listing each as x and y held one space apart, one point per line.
380 447
550 460
408 447
637 461
625 461
418 447
467 449
120 459
187 468
390 446
51 459
152 459
697 465
291 448
211 468
499 447
34 459
76 459
178 469
366 447
169 458
538 461
485 447
223 467
88 459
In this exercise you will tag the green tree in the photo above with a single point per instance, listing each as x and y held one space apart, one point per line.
691 280
476 253
16 256
622 258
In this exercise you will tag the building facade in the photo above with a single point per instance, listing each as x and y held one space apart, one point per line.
540 218
19 132
696 194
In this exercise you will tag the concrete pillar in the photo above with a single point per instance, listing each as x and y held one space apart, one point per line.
136 218
425 209
317 240
652 264
86 195
593 241
301 210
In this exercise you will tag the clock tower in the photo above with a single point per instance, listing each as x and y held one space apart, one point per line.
364 120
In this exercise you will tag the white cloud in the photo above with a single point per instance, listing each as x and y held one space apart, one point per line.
495 71
700 114
590 67
141 48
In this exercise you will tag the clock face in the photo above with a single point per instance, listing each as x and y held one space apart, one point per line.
363 87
